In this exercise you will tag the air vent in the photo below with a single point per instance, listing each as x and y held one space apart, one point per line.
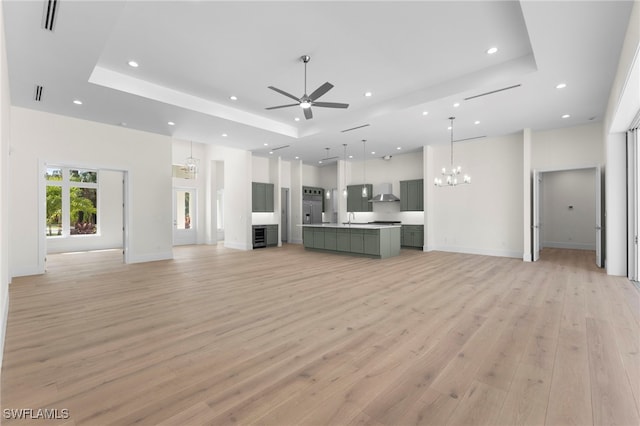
37 93
280 147
49 14
355 128
492 92
469 139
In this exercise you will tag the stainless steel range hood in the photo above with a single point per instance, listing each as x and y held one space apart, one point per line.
384 194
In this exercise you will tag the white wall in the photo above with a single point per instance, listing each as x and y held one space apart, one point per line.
64 140
484 217
566 227
5 122
310 176
109 235
567 148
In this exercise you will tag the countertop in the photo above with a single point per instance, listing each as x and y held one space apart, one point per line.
352 226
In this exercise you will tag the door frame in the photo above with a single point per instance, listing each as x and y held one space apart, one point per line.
535 212
42 208
194 230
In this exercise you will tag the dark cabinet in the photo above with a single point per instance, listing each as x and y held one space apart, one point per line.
343 240
356 202
272 235
412 195
412 236
262 197
357 241
372 242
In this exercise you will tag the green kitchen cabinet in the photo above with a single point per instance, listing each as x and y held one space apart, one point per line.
357 241
318 238
412 236
272 235
343 240
372 242
330 239
412 195
307 237
356 202
262 197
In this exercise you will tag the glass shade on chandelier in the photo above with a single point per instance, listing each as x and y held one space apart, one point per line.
191 165
452 176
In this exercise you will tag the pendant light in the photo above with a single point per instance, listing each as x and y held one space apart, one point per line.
344 171
451 175
364 169
191 164
328 191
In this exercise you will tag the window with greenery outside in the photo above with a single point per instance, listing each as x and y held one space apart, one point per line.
82 201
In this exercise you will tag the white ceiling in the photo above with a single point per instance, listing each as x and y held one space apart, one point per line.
413 56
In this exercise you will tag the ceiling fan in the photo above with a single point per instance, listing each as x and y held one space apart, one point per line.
306 101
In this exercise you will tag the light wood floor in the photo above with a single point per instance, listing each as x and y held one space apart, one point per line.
281 336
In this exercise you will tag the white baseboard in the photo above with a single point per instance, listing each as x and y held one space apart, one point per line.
3 324
483 252
237 246
576 246
150 257
25 271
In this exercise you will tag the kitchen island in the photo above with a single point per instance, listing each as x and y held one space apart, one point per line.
378 241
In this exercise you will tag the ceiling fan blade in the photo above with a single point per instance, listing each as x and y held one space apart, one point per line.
282 106
330 105
307 113
282 92
321 90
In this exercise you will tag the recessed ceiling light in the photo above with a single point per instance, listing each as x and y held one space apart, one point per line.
425 112
297 158
171 123
133 64
297 119
270 152
368 94
77 101
351 156
265 144
449 128
476 122
456 105
373 153
399 148
566 116
224 135
233 98
320 162
123 124
492 50
561 86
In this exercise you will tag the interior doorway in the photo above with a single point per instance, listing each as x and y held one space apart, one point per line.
567 211
185 216
83 209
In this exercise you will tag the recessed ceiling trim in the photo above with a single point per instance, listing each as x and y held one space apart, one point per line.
492 92
49 14
135 86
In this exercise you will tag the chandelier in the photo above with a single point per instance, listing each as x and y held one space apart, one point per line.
191 165
451 175
364 169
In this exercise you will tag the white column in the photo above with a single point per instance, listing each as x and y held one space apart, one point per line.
616 205
526 191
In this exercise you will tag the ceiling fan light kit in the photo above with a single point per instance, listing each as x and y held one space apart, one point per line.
307 101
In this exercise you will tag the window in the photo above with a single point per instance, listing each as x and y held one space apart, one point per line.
71 201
